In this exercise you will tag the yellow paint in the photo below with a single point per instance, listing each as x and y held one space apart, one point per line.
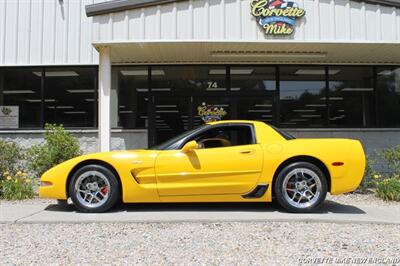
217 174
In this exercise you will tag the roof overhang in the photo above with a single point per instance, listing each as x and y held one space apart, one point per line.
122 5
274 52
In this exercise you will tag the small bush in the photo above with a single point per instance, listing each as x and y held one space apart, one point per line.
16 186
10 157
367 184
392 158
388 189
59 146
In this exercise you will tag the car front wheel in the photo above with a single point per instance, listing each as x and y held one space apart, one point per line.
301 187
94 188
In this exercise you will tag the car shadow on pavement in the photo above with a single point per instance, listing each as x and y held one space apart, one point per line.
327 207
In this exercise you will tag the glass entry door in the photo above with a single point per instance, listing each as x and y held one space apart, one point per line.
172 116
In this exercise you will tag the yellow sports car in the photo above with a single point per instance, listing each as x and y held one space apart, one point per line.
225 161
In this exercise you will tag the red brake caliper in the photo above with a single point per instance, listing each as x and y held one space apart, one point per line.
103 190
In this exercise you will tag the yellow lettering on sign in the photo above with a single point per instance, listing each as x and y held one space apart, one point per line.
258 8
277 30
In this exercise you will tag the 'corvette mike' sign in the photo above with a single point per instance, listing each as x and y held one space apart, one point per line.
276 17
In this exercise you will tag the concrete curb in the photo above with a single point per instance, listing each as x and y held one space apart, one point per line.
198 213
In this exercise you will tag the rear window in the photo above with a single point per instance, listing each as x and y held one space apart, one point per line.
284 134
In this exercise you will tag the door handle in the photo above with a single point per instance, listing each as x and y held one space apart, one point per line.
246 151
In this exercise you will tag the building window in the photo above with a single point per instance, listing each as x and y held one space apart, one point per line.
388 91
253 79
351 97
132 97
69 96
64 96
21 88
256 87
302 96
188 79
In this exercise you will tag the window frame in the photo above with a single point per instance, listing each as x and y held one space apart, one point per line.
43 69
223 125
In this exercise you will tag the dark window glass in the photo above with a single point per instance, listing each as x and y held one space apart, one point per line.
132 96
21 87
172 116
189 79
351 97
256 108
302 96
175 142
388 85
253 79
225 137
70 94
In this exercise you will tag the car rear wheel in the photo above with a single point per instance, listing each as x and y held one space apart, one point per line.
301 187
94 188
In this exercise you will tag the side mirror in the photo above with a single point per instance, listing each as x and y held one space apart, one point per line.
190 146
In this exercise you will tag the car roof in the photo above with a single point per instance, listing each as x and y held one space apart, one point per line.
232 121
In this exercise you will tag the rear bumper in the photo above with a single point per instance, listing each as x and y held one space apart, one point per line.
348 178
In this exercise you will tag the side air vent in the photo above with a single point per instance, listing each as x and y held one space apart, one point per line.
258 192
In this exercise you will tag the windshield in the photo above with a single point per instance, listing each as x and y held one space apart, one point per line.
170 143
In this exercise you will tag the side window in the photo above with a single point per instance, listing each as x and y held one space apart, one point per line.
225 136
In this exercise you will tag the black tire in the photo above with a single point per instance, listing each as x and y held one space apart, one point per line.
63 203
283 197
114 189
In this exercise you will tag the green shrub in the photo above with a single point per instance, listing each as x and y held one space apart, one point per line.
16 186
10 157
367 184
392 157
59 146
388 189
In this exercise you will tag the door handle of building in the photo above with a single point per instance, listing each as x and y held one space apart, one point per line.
246 151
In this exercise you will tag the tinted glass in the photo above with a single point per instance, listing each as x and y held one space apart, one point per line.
351 97
225 136
189 79
132 96
70 94
388 85
21 88
253 79
256 108
172 117
302 96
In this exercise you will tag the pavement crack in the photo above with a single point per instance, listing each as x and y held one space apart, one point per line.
30 215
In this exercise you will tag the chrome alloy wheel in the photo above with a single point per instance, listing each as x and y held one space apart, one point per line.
301 188
92 189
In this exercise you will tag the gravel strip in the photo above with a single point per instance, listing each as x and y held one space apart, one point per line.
360 200
29 201
271 243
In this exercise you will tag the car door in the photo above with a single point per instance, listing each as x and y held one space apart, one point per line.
232 167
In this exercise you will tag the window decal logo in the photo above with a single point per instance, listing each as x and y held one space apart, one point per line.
276 17
6 111
210 113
